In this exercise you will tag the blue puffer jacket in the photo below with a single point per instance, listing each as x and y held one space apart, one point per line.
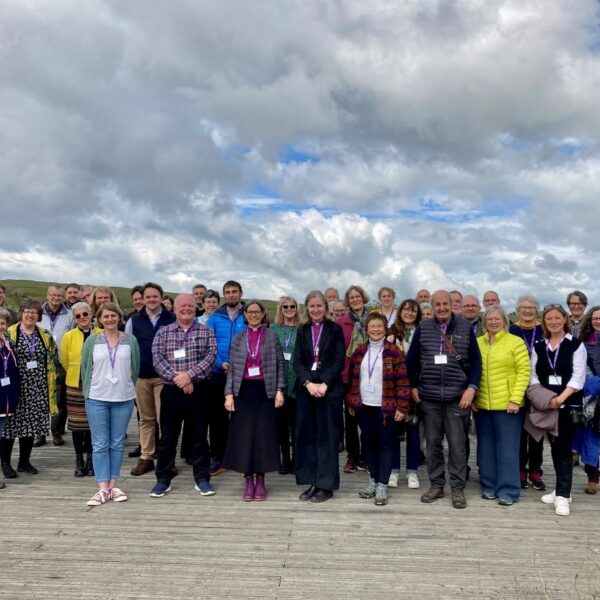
225 330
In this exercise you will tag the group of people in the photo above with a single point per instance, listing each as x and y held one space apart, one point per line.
256 395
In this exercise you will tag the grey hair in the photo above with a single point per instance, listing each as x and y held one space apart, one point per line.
527 298
79 305
492 309
4 314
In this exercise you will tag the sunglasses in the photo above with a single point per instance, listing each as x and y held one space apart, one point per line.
549 306
288 306
82 315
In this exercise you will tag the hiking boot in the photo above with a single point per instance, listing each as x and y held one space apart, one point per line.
432 494
458 499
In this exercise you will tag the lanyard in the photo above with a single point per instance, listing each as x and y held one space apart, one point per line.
532 344
443 327
254 353
112 352
288 339
6 354
315 343
391 318
30 340
553 362
371 367
187 334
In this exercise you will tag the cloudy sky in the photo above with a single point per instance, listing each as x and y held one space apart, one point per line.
298 144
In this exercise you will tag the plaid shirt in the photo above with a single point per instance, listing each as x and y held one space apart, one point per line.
200 347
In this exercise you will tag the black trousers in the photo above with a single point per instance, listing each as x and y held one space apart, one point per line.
531 453
25 448
175 406
218 417
446 419
286 427
379 434
562 457
59 421
318 424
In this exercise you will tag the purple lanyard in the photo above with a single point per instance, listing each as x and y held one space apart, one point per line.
553 362
288 339
443 327
6 353
112 352
371 367
187 334
529 346
315 343
30 340
253 354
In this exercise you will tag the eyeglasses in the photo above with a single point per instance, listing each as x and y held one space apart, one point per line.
288 306
82 315
595 319
30 312
576 304
254 313
471 306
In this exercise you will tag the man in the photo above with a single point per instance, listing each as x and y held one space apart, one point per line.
137 299
226 322
86 293
456 300
444 366
491 298
577 302
13 314
183 355
331 295
423 296
338 310
72 291
144 325
198 292
471 311
57 319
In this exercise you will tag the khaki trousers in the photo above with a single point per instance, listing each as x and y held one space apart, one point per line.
148 401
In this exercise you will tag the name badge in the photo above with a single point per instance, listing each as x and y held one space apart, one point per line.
368 387
287 355
179 353
555 380
112 379
5 381
32 364
314 366
440 359
254 371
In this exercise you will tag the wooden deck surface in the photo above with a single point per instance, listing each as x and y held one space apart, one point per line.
185 546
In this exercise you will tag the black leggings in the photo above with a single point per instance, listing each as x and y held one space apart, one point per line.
82 441
25 447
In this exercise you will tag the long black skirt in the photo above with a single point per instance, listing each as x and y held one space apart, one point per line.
252 443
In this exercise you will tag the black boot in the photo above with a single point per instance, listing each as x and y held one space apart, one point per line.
6 446
79 466
25 447
89 465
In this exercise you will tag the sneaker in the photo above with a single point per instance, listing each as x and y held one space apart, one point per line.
160 489
381 498
458 499
205 488
118 495
551 498
350 466
100 497
536 481
488 496
216 468
362 465
413 481
523 478
505 502
561 506
369 491
393 481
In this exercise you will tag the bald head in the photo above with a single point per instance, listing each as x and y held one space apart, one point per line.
442 305
470 308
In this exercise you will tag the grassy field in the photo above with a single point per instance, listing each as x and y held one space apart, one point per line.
17 289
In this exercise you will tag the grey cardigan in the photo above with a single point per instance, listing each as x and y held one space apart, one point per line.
273 364
540 419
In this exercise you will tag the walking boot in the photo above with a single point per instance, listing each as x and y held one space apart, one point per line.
79 466
381 495
89 465
260 492
248 494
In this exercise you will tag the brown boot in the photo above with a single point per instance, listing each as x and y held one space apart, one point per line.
432 494
143 466
591 487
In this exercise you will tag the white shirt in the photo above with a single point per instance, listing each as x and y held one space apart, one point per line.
101 388
577 380
371 389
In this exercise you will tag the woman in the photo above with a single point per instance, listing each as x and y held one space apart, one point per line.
587 440
71 347
558 364
168 302
318 360
379 392
426 310
532 452
386 297
505 375
101 295
109 365
353 327
407 318
37 363
577 302
9 374
211 304
285 326
253 391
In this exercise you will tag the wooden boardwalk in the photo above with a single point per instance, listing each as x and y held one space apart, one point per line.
186 546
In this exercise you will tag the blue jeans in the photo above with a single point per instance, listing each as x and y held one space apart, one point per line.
498 443
108 425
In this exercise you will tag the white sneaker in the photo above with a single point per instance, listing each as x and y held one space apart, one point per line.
413 481
551 498
561 506
393 482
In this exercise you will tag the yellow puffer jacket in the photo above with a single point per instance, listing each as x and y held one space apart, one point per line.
71 347
506 370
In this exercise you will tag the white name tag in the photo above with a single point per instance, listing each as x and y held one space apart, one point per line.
179 353
314 366
32 364
5 381
112 379
555 380
254 371
440 359
287 355
368 387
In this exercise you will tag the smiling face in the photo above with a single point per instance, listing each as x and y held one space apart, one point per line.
289 310
316 309
30 317
442 306
355 301
185 309
408 314
254 315
576 306
386 299
596 320
494 322
3 326
210 305
138 301
109 320
55 297
555 322
102 297
491 298
527 312
83 318
152 299
423 296
470 308
232 295
376 330
72 295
